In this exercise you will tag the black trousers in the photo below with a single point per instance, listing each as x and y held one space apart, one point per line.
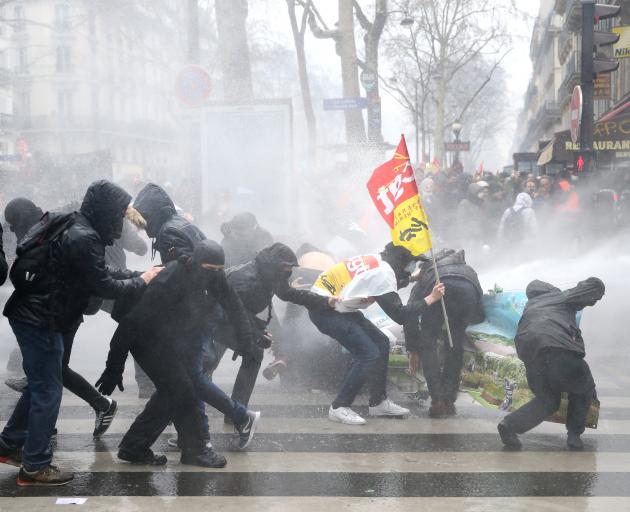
461 300
174 400
553 372
247 372
74 382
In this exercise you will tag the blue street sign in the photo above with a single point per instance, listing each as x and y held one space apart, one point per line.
345 103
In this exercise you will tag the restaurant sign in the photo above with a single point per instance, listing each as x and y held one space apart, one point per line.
611 135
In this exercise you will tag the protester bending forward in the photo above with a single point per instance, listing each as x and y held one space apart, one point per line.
356 283
550 344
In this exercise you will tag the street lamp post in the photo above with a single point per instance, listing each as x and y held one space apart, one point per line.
457 129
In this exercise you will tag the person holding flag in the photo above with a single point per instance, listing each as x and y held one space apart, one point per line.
354 284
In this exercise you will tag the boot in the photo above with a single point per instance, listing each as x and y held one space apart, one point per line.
206 458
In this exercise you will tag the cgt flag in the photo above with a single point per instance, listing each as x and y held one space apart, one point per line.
394 191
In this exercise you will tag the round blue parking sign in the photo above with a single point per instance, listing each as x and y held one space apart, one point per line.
193 85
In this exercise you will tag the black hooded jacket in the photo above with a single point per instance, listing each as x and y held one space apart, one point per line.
3 261
257 281
79 264
174 236
173 311
549 322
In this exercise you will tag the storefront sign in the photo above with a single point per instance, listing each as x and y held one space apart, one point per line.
602 87
621 50
611 135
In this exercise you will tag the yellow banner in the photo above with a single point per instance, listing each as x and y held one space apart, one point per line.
621 49
411 226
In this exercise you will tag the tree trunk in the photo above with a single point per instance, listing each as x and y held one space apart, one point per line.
355 128
234 51
438 137
305 87
372 39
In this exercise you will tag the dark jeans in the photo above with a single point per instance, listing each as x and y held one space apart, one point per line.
553 372
370 353
35 414
174 400
206 390
461 300
74 382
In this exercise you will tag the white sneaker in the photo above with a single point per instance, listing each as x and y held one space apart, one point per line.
345 415
388 408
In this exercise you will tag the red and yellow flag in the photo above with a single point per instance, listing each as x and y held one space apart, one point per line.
394 191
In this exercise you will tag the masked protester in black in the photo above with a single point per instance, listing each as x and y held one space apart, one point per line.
40 319
22 214
173 235
168 319
550 344
256 283
463 307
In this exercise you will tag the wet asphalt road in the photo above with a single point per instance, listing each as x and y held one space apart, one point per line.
301 461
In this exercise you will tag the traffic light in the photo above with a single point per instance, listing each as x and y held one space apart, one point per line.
593 61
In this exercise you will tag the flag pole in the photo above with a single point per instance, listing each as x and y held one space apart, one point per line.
437 280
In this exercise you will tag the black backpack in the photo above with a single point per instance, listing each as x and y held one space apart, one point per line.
514 225
33 271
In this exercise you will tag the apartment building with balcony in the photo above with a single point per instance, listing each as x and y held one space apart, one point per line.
90 75
556 41
541 114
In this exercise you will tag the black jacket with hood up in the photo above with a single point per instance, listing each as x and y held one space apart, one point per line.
173 311
257 281
549 322
174 236
79 264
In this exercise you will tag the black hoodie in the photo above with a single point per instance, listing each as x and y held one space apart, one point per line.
78 264
174 236
549 319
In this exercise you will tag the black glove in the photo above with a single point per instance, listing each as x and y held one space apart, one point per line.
108 382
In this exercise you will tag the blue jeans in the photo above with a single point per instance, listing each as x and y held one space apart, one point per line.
35 414
370 353
208 391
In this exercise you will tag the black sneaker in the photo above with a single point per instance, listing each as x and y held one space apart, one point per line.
10 456
48 476
574 442
18 385
207 458
104 418
149 458
247 430
509 438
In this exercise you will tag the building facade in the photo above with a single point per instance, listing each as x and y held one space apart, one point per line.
91 75
555 54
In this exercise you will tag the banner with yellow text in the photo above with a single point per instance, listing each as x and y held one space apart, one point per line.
394 191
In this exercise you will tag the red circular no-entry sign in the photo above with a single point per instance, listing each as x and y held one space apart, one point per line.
193 85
